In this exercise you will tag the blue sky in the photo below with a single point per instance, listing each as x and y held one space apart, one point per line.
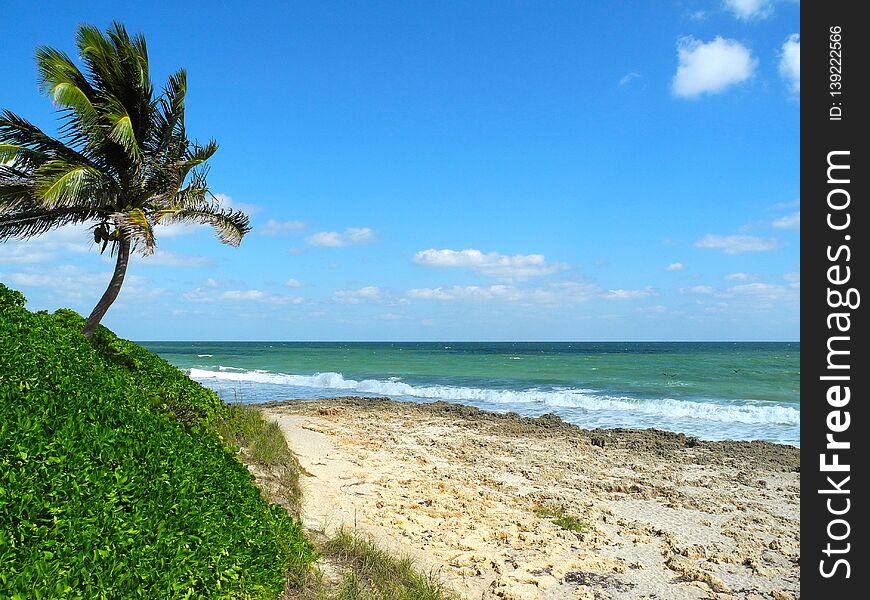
457 171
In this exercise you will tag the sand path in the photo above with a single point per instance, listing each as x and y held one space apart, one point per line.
466 494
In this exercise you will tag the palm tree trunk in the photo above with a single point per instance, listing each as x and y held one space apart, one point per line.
112 291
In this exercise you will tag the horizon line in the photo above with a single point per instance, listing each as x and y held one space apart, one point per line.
476 341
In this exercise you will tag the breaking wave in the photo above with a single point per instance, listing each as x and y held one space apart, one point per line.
747 412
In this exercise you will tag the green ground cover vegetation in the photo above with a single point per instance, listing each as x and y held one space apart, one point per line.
114 481
120 477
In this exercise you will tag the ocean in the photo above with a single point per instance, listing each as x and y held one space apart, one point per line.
715 391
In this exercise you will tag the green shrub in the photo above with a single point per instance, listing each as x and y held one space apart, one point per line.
10 298
561 517
113 483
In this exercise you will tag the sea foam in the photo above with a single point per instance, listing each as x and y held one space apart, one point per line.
746 412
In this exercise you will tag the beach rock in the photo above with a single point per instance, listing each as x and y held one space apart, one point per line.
509 590
546 582
690 572
781 595
457 489
584 592
695 551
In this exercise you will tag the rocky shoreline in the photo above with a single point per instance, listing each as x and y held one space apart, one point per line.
504 506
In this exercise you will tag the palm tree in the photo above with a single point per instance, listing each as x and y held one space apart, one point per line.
122 160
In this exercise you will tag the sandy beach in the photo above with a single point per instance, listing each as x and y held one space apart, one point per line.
503 506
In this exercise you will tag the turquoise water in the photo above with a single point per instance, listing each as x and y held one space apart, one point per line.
711 390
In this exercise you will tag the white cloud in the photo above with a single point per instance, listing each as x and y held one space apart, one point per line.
574 291
738 277
46 247
794 279
170 230
697 289
760 291
227 202
711 67
628 78
63 277
790 204
369 292
349 237
677 266
792 221
18 253
790 62
491 264
260 296
211 295
720 307
737 244
391 317
165 258
456 292
622 294
201 295
69 283
294 283
750 10
561 292
655 310
273 227
557 292
243 295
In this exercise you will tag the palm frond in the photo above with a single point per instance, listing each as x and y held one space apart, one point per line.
69 90
175 93
194 207
18 131
136 227
61 79
169 116
132 54
15 193
121 131
167 188
195 156
99 56
36 220
10 152
60 183
136 92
